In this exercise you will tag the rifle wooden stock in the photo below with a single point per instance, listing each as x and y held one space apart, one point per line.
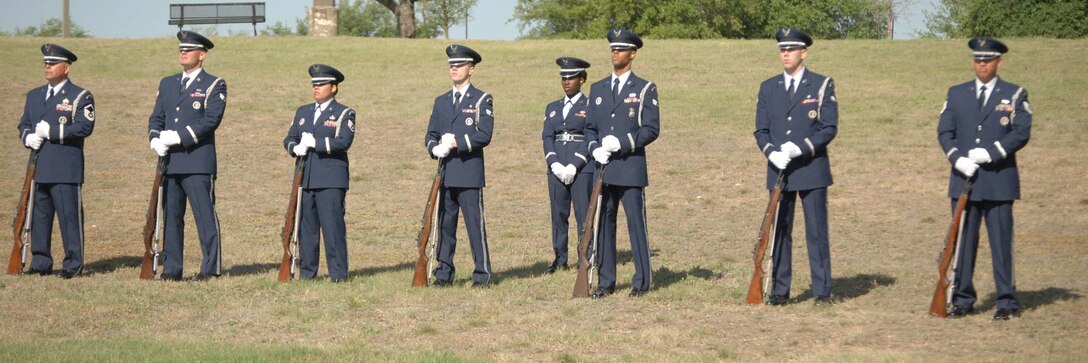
766 234
147 271
15 263
287 234
581 281
424 239
939 306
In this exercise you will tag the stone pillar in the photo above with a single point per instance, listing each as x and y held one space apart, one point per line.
322 18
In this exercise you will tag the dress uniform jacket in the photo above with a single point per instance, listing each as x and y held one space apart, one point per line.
810 120
70 115
1002 127
471 122
334 130
566 152
633 117
194 113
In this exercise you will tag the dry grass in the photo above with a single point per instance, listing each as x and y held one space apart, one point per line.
888 212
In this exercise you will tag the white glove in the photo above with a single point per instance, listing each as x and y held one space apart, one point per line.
780 159
791 149
610 143
571 172
42 130
308 140
558 170
966 166
169 138
447 139
601 155
979 155
300 150
440 151
33 141
158 147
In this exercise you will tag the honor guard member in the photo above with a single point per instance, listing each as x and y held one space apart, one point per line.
566 156
188 108
460 127
984 123
56 119
325 130
623 119
797 116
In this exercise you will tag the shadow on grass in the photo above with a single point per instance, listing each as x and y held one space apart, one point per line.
1031 300
663 276
527 271
846 288
251 269
374 270
112 264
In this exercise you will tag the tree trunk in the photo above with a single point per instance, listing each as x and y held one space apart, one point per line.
405 12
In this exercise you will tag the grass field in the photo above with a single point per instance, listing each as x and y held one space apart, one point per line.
888 212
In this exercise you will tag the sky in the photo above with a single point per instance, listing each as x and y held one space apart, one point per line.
148 18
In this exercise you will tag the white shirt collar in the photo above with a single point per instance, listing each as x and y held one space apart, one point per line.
56 89
623 78
321 107
787 77
191 76
572 100
989 85
463 90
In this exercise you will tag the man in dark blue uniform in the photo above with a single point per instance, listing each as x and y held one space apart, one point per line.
565 154
460 127
984 123
324 130
57 117
188 108
623 119
797 116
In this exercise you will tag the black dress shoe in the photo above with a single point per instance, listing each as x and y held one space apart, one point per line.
203 277
442 283
65 274
601 292
555 267
822 300
1005 314
36 272
959 311
170 277
636 293
777 300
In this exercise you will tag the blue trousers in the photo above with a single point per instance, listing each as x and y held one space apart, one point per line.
998 216
323 211
814 204
561 197
199 190
66 201
634 206
470 201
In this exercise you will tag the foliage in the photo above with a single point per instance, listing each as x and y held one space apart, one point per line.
1008 18
444 14
368 18
278 29
53 27
834 19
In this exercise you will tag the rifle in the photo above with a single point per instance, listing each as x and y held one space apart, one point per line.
21 231
593 215
760 277
428 233
152 242
945 283
289 233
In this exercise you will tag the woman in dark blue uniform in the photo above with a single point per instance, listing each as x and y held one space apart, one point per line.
323 130
565 154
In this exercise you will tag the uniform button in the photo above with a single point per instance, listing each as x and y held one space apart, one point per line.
177 108
980 127
613 115
977 141
788 132
175 120
790 118
611 128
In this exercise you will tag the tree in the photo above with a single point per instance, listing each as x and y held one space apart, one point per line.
365 18
52 28
1008 18
405 12
444 14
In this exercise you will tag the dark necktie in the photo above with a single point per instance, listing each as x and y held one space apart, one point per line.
49 95
456 98
616 86
981 97
184 80
793 87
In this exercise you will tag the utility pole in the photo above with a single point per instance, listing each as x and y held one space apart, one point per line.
65 21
